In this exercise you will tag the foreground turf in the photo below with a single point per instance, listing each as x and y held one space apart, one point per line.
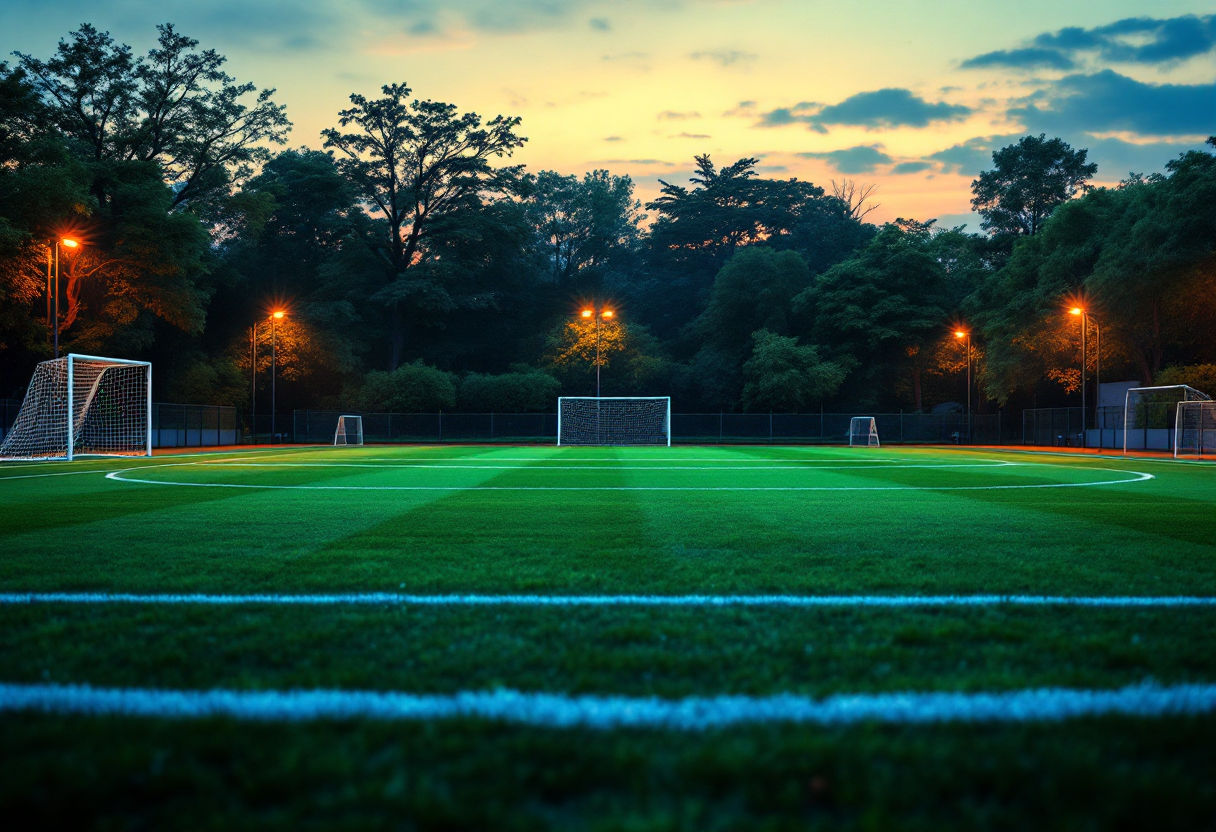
802 521
1107 774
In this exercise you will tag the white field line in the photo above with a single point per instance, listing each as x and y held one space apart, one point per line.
117 476
457 467
557 710
405 599
103 471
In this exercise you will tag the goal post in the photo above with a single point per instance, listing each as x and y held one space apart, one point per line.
349 431
84 405
863 432
1151 415
614 420
1195 429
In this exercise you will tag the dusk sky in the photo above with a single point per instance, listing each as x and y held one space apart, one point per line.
910 95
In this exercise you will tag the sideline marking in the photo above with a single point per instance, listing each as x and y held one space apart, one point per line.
395 465
1139 477
556 710
372 598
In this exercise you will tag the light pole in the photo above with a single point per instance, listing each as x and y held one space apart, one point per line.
253 381
1086 321
598 314
274 316
967 334
52 288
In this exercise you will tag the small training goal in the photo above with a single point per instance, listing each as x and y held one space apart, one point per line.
349 431
863 432
617 420
1195 429
84 405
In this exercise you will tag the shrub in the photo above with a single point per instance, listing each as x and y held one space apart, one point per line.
411 388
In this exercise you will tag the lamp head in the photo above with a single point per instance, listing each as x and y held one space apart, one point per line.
1076 310
278 314
587 313
960 334
69 242
607 313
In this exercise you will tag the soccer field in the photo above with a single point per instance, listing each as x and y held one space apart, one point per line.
647 638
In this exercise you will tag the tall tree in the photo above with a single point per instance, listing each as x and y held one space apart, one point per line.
415 164
586 227
176 107
885 309
1028 180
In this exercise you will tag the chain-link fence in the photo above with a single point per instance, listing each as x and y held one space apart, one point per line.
318 426
173 425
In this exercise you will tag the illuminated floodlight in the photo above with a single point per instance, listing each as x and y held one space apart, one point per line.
587 313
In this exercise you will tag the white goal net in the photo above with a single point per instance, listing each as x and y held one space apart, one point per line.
863 431
623 420
1150 416
349 431
83 405
1195 429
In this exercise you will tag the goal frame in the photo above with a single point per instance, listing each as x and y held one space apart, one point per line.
344 434
1204 408
666 418
1189 394
871 434
71 360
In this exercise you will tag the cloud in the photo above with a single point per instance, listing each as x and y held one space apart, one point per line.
879 109
600 24
1115 157
970 157
1109 102
860 159
1035 57
911 167
672 115
743 108
1142 40
635 162
691 136
725 57
613 139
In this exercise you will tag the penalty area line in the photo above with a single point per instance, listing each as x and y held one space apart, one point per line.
473 600
604 712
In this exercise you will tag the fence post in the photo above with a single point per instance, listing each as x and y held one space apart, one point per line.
441 426
770 427
491 424
901 426
720 427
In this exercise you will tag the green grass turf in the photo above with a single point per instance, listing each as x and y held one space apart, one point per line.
586 521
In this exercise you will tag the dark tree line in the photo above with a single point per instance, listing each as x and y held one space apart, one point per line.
422 270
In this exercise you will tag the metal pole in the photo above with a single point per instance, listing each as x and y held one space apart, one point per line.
1084 361
1098 382
57 300
597 353
49 290
273 349
253 381
968 388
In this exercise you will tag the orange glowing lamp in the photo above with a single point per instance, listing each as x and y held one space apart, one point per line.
607 313
587 313
69 242
1076 310
960 334
279 314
